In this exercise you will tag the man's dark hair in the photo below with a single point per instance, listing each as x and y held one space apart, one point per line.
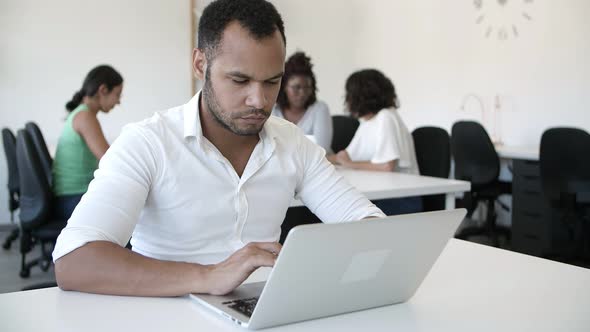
369 91
298 64
259 17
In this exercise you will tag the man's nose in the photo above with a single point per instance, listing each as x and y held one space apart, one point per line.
257 97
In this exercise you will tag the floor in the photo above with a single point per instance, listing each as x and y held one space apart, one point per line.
10 281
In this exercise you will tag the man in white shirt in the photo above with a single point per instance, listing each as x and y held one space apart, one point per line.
203 188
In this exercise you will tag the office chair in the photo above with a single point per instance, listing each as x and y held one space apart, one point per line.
477 161
565 181
9 142
344 129
42 151
433 152
36 222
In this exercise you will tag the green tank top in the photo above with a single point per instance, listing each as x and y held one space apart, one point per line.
74 164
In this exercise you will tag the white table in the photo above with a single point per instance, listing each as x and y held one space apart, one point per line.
381 185
470 288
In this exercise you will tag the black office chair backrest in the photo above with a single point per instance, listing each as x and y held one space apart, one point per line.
564 162
35 194
433 151
344 129
9 142
476 159
41 147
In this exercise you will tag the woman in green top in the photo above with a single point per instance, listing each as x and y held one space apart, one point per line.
82 143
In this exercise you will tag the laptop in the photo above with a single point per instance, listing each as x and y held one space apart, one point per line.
330 269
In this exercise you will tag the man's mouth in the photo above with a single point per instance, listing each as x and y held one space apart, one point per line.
255 117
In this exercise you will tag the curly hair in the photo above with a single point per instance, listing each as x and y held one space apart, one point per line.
259 17
369 91
298 64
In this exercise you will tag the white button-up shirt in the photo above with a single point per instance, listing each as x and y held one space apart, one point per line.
163 183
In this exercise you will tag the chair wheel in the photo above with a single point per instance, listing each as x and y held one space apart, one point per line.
6 245
25 273
45 265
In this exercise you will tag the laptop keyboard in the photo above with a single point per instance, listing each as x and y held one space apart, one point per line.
243 306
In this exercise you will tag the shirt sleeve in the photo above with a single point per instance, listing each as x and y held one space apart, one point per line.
322 126
388 148
326 193
111 207
354 147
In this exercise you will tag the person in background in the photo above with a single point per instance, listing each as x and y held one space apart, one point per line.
382 141
297 101
82 142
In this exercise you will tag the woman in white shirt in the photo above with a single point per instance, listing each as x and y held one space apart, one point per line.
382 141
297 101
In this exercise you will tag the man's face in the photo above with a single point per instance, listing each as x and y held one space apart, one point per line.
242 83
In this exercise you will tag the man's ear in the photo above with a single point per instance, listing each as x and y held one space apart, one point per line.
199 63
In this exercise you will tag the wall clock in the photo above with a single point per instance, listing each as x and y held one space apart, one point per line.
500 19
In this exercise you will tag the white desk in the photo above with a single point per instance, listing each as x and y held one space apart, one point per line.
470 288
381 185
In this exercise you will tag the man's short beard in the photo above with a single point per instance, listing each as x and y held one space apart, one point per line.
215 110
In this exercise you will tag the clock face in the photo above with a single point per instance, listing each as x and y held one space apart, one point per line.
500 19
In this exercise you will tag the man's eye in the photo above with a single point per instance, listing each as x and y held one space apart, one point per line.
273 82
239 81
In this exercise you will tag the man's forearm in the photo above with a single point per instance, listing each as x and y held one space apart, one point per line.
105 268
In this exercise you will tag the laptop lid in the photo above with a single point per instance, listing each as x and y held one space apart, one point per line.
329 269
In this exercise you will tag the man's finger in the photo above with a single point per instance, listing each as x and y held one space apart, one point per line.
262 258
272 247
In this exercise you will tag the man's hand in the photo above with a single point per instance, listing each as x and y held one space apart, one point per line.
229 274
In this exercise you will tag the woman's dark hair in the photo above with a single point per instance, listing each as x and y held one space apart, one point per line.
298 64
259 17
369 91
98 76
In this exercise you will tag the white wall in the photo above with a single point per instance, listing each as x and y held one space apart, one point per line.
433 51
327 31
47 47
436 54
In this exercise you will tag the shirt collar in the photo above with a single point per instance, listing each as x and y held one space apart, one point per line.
192 123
